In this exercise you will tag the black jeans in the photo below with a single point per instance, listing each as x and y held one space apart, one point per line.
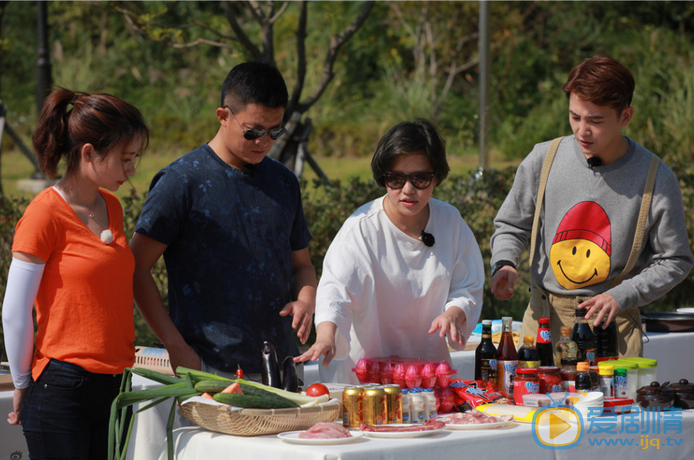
65 413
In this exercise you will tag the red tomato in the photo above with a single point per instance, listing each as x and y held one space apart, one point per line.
317 389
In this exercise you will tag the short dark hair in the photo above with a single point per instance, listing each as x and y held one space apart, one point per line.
603 81
406 138
254 83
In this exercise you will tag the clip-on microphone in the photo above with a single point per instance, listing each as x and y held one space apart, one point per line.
593 162
427 239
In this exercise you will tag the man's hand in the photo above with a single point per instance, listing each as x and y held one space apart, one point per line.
302 318
604 305
503 282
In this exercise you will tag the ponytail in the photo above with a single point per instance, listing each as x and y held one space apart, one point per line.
70 119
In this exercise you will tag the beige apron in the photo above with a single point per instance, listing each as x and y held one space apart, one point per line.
560 309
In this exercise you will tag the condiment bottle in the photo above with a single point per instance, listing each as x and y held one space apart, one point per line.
485 354
620 383
506 358
607 381
550 379
594 373
583 381
583 335
543 343
525 383
566 348
568 375
631 377
606 342
528 356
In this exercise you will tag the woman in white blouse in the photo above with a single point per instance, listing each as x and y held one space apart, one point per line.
404 271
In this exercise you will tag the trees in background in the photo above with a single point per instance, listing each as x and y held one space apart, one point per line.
387 61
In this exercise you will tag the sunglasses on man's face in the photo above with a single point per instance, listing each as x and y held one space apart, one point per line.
419 181
251 134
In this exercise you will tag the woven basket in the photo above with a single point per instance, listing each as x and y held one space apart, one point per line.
257 422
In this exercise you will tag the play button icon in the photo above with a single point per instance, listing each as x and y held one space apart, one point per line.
557 427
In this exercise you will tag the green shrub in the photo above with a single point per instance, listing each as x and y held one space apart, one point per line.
477 195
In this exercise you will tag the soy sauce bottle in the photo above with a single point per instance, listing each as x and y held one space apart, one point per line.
485 354
583 335
528 356
506 358
583 380
606 342
543 343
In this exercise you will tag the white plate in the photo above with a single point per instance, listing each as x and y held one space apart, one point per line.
293 437
685 310
476 426
402 434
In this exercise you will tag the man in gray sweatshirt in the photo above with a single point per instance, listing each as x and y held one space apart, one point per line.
589 217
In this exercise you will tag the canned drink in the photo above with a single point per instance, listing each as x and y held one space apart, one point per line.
352 404
374 407
393 403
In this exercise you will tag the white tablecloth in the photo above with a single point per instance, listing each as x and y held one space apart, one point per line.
514 441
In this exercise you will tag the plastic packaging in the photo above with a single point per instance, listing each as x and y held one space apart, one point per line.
648 370
406 372
520 413
632 377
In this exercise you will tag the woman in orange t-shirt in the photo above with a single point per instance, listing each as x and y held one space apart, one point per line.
71 260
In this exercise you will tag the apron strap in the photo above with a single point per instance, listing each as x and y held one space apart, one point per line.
540 199
640 233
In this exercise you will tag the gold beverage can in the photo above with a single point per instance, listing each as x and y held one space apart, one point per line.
375 409
352 403
393 403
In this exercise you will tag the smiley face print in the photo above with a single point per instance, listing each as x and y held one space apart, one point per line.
580 253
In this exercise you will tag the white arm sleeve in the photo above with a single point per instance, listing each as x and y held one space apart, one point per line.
23 282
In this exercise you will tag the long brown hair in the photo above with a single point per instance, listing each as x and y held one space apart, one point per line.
98 119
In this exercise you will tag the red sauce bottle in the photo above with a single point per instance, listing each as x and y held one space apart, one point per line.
543 343
506 358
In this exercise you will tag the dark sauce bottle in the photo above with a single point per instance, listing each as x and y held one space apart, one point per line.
485 354
583 335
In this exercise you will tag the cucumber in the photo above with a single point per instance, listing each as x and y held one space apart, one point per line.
215 386
254 402
211 386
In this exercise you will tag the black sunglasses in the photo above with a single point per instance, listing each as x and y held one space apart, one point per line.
252 134
419 181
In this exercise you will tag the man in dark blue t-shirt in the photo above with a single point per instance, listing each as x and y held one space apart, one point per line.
230 225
